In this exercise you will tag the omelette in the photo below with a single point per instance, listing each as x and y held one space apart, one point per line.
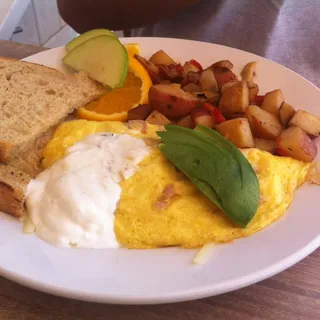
160 207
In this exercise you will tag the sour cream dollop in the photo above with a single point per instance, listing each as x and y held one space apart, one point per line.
73 203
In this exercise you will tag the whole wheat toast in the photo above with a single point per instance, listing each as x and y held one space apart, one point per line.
33 100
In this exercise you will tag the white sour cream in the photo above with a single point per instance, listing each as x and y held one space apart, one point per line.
73 203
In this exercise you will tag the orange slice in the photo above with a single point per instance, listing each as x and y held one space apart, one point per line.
113 105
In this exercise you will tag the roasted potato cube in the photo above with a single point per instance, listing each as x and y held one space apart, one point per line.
286 113
235 99
263 124
201 116
208 81
265 145
295 143
151 68
272 102
253 91
223 75
191 87
237 131
208 96
228 85
186 122
222 64
157 118
169 72
248 71
140 112
189 67
161 57
309 123
171 100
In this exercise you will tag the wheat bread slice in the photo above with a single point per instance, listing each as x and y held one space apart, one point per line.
13 187
29 161
33 99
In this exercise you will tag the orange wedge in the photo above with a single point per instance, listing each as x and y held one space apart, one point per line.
113 105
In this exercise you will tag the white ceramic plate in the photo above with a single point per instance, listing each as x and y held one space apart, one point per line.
167 275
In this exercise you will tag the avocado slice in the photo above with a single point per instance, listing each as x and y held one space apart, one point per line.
216 167
104 58
88 35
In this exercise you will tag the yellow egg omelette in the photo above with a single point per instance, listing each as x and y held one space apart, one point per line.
159 207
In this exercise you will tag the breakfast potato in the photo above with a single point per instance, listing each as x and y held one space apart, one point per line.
235 99
191 87
253 91
161 57
228 85
186 122
263 124
151 68
208 81
237 131
248 71
189 67
201 116
208 96
223 75
171 100
295 143
272 101
265 145
140 112
309 123
286 113
222 64
157 118
169 72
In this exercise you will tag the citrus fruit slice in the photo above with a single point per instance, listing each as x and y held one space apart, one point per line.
113 105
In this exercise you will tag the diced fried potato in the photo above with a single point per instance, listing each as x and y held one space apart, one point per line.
295 143
191 87
151 68
140 112
208 81
208 96
286 113
202 116
223 75
157 118
169 72
263 124
228 85
272 102
253 91
186 122
171 100
309 123
237 131
265 145
222 64
248 71
161 57
235 99
189 67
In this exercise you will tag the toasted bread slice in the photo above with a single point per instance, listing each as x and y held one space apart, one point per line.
13 187
33 99
29 161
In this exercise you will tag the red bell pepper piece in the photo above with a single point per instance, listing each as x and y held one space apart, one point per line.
259 100
215 112
179 68
196 64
